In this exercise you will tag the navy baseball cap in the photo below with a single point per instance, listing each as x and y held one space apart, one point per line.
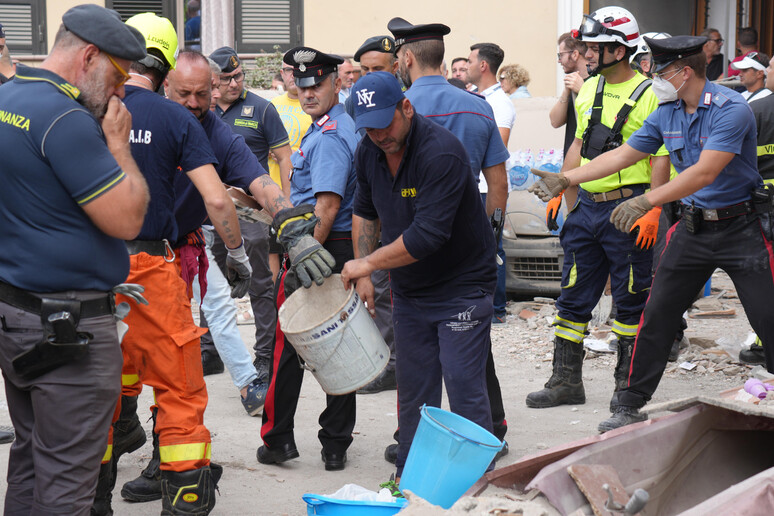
2 32
376 96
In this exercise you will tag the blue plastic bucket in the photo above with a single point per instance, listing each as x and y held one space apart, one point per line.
325 505
448 454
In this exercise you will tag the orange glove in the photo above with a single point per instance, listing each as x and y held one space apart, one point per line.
647 227
552 211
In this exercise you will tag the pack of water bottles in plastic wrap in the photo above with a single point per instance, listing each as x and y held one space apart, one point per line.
521 161
520 177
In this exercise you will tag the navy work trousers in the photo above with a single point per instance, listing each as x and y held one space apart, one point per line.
742 247
594 249
338 419
441 340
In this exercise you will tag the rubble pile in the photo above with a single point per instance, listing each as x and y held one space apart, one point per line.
717 331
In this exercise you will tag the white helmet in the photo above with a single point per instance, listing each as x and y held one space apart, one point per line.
610 25
643 47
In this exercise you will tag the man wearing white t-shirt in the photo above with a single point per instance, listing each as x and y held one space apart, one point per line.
752 73
484 61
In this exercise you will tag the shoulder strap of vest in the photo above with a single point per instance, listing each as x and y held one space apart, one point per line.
623 113
596 109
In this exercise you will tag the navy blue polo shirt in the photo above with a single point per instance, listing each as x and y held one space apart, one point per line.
467 115
237 166
723 121
167 140
54 162
257 120
434 203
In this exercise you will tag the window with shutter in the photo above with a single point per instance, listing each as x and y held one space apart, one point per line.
24 23
128 8
260 25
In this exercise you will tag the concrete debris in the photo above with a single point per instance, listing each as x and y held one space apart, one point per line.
526 314
702 342
497 502
707 304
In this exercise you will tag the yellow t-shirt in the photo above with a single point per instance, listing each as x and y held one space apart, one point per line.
296 123
614 97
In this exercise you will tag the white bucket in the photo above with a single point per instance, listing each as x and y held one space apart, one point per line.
333 332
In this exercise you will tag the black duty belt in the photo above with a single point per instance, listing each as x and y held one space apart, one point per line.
151 247
28 302
729 212
612 195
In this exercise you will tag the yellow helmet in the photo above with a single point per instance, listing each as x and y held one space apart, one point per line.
160 35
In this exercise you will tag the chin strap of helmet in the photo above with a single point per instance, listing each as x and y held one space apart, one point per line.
156 63
601 65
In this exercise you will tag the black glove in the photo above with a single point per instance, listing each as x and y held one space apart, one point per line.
498 221
310 260
238 271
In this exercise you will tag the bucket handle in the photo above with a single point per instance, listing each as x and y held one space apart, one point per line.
303 365
311 500
452 431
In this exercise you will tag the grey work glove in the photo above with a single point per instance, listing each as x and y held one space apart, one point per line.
310 260
238 271
626 214
133 291
550 185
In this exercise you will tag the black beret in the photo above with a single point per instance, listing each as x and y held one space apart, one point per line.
104 29
384 44
310 66
667 50
226 58
404 32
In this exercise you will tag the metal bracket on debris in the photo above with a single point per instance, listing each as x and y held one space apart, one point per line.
635 504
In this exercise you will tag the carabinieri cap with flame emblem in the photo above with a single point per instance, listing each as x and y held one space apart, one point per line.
310 66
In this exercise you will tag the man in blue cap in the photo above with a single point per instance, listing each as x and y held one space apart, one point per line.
415 182
59 350
710 133
420 50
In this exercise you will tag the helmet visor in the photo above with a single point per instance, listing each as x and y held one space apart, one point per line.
591 28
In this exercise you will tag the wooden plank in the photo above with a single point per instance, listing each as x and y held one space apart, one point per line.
713 313
590 479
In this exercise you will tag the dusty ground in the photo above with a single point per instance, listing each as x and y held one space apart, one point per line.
522 351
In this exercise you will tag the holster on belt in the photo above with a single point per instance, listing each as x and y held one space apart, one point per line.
672 211
61 342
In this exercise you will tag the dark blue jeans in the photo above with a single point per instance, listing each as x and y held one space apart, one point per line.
500 297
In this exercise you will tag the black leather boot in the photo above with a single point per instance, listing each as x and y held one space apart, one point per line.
128 433
105 484
190 493
621 373
146 487
565 387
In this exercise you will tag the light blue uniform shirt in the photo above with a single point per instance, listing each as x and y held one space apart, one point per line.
324 163
467 115
722 122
